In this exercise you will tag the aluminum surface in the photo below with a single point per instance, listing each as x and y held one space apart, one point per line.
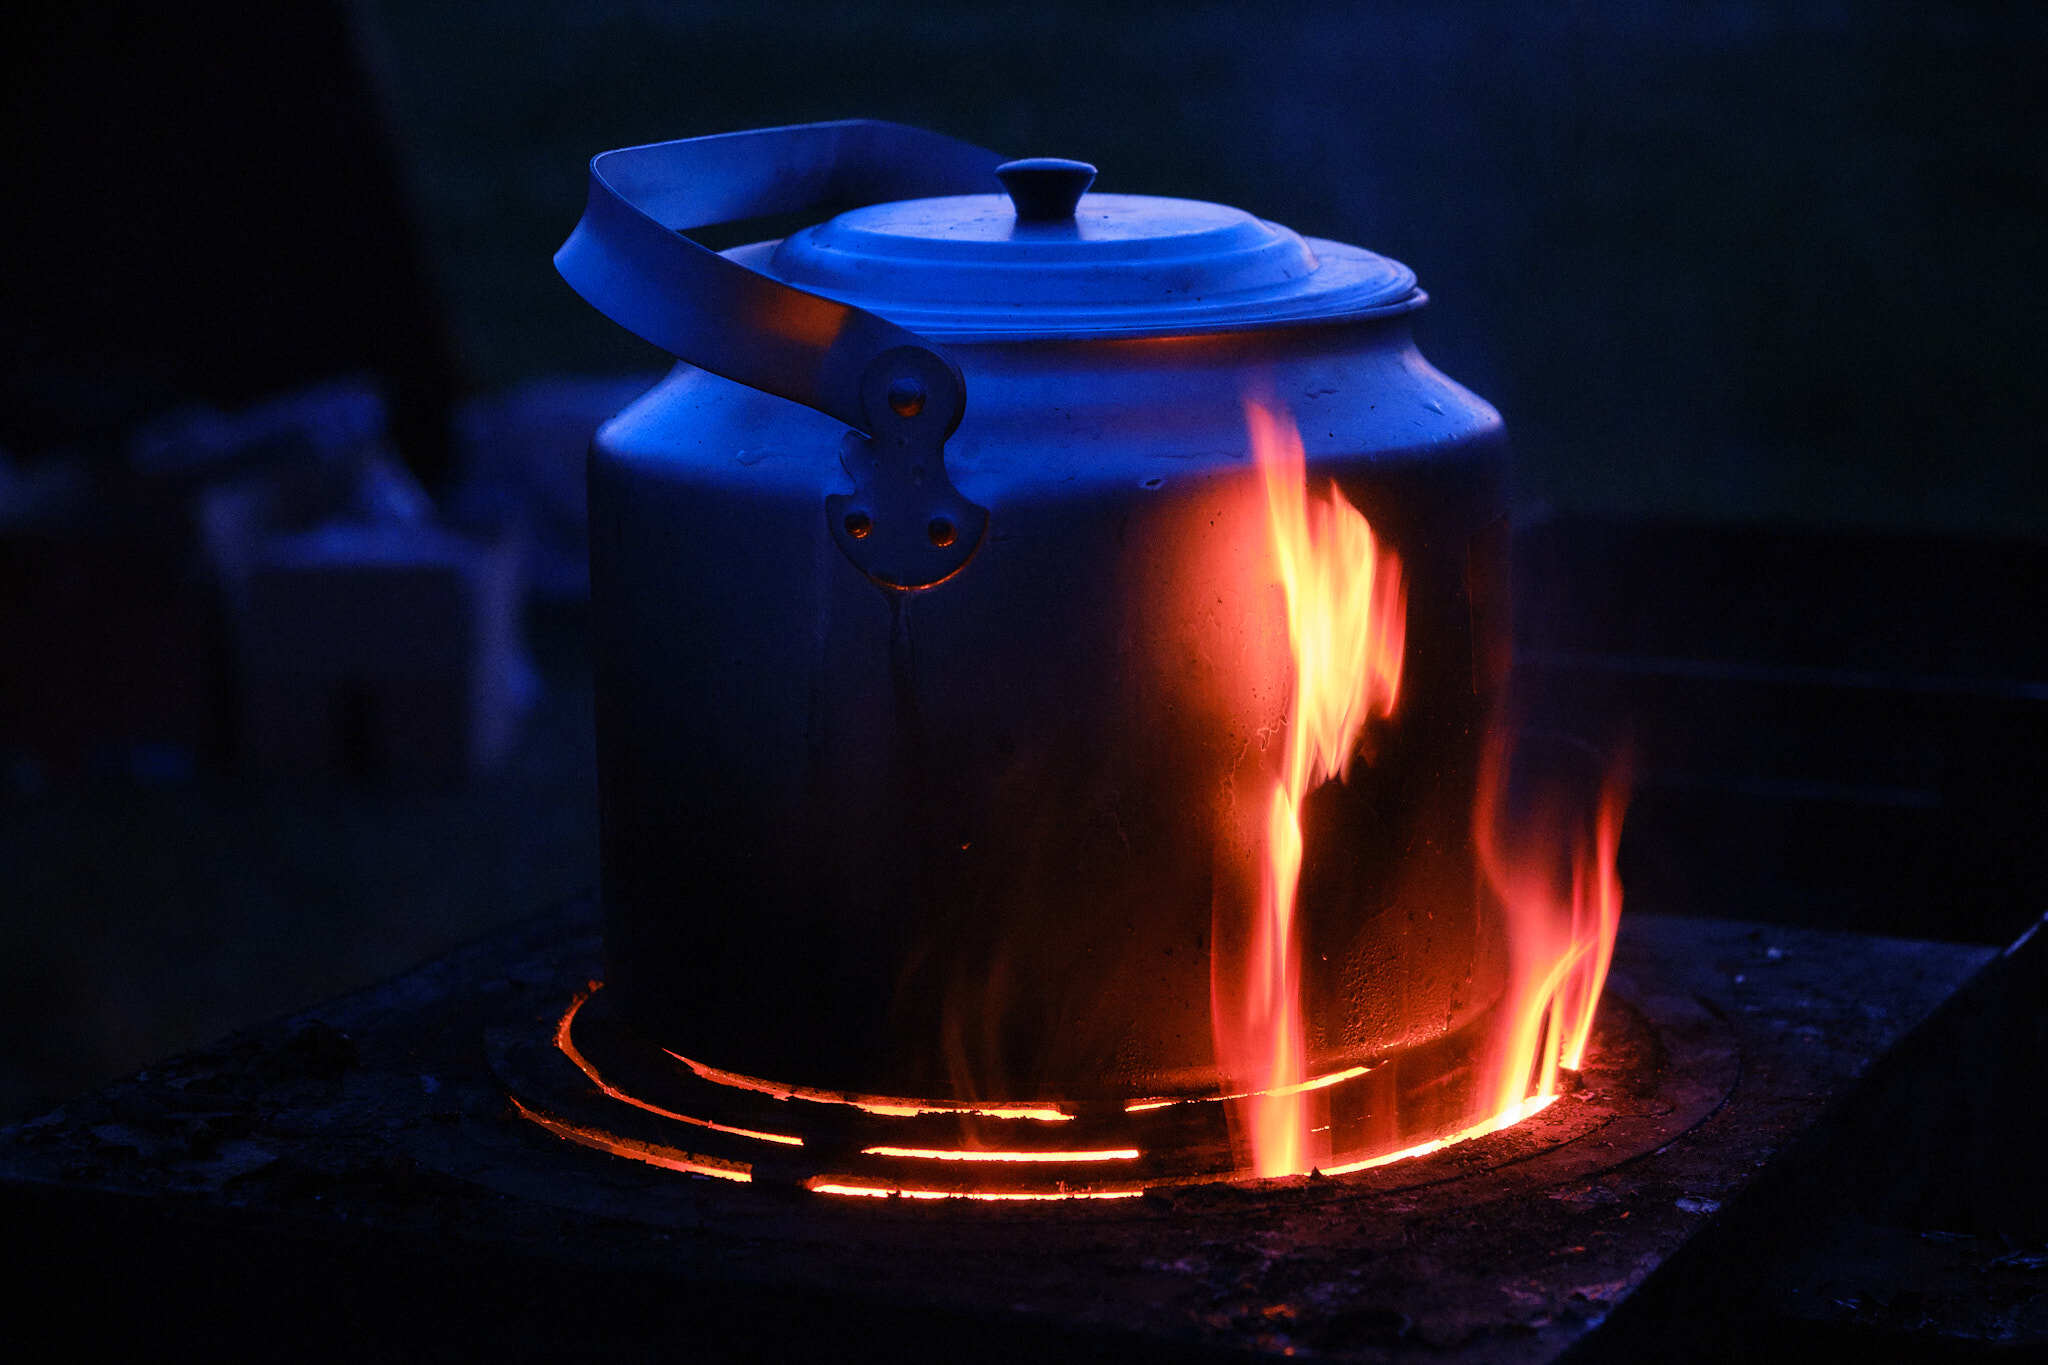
967 840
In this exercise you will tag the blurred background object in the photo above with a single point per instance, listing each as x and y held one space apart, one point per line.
288 387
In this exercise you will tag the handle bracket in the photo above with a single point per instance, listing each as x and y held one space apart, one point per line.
901 394
905 525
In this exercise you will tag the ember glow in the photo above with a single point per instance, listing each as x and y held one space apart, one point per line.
888 1107
1345 626
652 1153
565 1041
1506 1118
1298 1087
975 1154
826 1185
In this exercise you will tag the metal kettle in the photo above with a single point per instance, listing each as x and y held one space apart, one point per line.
926 725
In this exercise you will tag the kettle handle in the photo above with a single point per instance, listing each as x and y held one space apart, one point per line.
628 259
904 525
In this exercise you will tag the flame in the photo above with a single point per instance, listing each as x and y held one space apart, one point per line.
1346 625
1562 900
1346 617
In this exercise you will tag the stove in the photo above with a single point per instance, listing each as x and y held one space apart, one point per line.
433 1165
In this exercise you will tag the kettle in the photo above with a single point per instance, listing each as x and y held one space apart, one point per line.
940 657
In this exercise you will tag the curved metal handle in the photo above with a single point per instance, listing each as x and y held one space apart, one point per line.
628 258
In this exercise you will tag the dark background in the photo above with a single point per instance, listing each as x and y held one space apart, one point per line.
1755 284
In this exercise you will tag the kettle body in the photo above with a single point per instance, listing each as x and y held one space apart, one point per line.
968 830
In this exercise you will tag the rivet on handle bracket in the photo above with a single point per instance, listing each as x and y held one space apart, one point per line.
904 524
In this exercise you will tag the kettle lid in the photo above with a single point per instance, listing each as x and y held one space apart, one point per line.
1048 261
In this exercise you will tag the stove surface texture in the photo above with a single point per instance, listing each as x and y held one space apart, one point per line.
356 1178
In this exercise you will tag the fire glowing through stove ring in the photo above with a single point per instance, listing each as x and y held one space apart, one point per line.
653 1153
1298 1087
971 1154
872 1104
1506 1118
567 1044
825 1186
676 1159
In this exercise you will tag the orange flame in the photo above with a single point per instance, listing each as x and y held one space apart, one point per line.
1561 923
1346 616
1346 623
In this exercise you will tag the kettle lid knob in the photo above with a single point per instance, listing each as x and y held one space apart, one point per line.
1045 189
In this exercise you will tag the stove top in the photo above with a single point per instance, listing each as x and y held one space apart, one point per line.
370 1159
